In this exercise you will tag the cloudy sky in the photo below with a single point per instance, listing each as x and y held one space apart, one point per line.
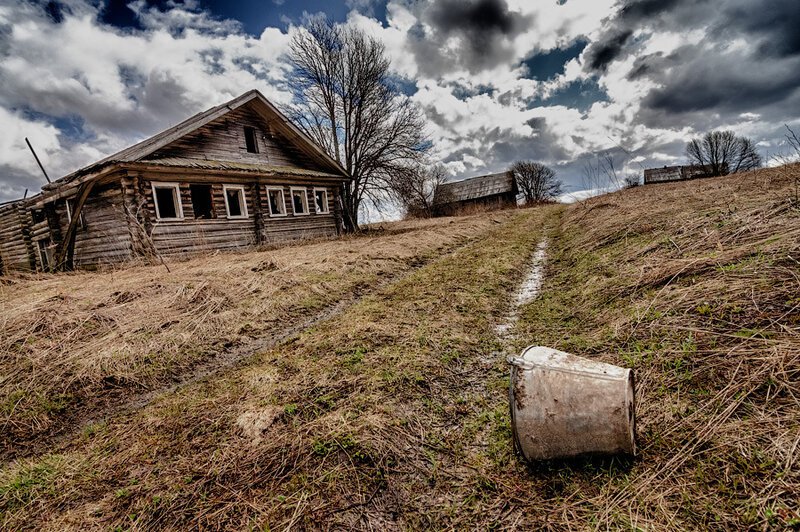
559 81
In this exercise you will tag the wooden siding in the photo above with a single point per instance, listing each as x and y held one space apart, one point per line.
105 239
223 139
190 235
16 251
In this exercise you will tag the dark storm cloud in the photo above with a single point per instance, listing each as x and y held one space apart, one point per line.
601 53
774 23
484 28
714 77
480 17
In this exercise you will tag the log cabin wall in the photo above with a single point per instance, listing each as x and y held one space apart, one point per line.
104 237
293 226
16 248
191 234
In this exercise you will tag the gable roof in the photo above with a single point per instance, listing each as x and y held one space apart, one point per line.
477 187
142 149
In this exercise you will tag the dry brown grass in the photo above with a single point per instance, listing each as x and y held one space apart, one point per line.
697 286
393 414
76 343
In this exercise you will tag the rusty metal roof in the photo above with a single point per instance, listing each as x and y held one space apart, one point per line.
477 187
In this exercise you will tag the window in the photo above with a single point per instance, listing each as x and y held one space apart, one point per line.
70 208
235 203
44 257
299 201
38 216
202 202
167 198
277 205
250 139
321 200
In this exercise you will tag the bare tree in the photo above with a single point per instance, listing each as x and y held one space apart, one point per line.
603 174
536 181
722 152
419 188
793 140
345 100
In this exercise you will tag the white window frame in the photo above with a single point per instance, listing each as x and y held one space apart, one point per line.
176 188
241 188
304 190
327 203
282 205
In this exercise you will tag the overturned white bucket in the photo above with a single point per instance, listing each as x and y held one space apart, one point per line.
563 405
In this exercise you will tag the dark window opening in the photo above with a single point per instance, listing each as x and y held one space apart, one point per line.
321 201
202 203
276 204
38 216
234 198
250 139
166 202
299 201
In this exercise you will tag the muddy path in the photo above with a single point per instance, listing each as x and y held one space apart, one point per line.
119 400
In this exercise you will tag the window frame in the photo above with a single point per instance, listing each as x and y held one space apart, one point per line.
283 202
327 202
251 130
176 194
304 190
245 213
81 219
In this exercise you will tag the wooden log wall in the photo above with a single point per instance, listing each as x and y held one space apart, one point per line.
16 248
223 140
293 227
191 235
104 239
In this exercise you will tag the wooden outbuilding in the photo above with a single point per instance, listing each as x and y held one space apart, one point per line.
668 174
493 191
235 176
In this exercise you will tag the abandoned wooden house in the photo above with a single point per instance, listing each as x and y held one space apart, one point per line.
493 191
675 173
237 175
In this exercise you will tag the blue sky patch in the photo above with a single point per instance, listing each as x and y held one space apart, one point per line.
551 64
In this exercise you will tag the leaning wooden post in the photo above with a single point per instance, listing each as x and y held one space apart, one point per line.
67 248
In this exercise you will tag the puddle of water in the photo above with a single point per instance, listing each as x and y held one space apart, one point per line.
528 291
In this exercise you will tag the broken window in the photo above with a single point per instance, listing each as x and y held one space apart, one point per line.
250 139
38 216
167 197
70 209
202 202
321 200
44 250
277 205
234 201
299 201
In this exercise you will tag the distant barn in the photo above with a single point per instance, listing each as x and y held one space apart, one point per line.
493 191
236 176
675 173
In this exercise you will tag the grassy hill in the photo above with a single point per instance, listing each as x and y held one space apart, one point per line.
361 383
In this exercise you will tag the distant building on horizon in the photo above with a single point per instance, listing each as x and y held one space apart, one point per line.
676 173
486 192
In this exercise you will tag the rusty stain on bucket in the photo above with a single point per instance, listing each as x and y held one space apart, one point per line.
563 405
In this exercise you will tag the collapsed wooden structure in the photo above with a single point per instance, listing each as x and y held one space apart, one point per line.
493 191
668 174
237 175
